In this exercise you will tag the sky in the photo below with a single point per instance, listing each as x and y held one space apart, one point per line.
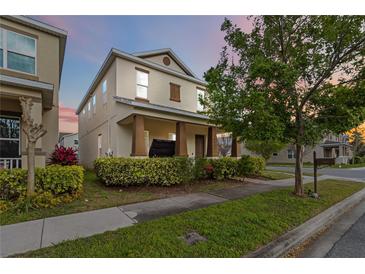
197 40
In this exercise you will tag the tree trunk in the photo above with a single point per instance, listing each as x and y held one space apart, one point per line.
299 189
31 164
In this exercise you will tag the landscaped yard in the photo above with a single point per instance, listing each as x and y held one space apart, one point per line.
96 196
232 229
276 175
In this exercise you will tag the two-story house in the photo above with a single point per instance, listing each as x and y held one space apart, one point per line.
31 59
331 146
144 104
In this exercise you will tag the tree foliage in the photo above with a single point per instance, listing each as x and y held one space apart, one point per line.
292 79
264 148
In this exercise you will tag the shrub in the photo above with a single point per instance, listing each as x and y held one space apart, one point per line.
202 169
248 165
224 168
153 171
63 156
60 179
54 184
12 183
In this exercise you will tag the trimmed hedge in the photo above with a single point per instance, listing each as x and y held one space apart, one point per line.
171 171
249 165
150 171
53 184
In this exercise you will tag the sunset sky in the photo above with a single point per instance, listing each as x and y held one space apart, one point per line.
197 40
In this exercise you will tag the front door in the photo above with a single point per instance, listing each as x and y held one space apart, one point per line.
199 145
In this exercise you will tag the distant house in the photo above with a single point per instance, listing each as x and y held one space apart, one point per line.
145 104
70 140
31 60
331 146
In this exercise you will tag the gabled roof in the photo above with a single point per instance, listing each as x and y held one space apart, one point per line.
113 53
171 53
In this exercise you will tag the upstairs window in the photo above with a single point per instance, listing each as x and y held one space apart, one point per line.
89 109
104 88
94 104
174 92
200 95
142 83
17 51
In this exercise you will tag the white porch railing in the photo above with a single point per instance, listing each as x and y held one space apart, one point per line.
10 163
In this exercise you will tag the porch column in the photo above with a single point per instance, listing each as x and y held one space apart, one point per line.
138 145
181 148
212 150
235 149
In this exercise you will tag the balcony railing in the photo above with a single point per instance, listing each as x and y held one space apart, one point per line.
10 163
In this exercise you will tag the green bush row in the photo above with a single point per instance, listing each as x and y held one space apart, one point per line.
53 179
172 171
135 171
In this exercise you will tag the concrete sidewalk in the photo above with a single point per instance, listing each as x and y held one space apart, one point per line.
22 237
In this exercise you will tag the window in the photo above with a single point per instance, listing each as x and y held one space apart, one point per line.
174 92
83 111
94 104
104 88
17 51
89 109
200 94
100 136
9 137
142 84
291 154
172 136
275 154
76 142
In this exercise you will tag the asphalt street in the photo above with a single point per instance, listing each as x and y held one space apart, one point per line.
352 243
358 173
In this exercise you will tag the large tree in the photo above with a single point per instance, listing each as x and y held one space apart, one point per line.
291 79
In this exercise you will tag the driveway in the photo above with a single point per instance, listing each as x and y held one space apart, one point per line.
358 173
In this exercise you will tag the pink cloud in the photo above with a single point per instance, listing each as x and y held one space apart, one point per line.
82 35
68 120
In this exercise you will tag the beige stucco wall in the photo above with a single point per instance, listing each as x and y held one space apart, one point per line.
159 60
47 71
158 86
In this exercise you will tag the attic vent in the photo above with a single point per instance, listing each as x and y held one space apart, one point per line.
166 61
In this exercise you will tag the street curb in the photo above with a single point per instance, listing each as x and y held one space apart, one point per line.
308 229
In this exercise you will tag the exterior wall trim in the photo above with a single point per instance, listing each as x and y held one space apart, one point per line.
160 108
19 82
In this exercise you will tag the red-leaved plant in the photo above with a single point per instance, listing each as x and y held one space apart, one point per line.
208 168
63 156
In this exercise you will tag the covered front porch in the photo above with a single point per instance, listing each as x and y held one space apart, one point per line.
156 137
13 146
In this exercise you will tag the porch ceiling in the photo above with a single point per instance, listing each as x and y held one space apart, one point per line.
46 89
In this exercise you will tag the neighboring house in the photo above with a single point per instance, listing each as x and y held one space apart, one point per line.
70 140
31 59
144 104
332 146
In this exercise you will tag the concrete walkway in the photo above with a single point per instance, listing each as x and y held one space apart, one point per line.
22 237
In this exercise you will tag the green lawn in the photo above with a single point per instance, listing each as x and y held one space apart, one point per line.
232 229
276 175
96 196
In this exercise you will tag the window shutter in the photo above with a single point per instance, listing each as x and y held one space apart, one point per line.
174 92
